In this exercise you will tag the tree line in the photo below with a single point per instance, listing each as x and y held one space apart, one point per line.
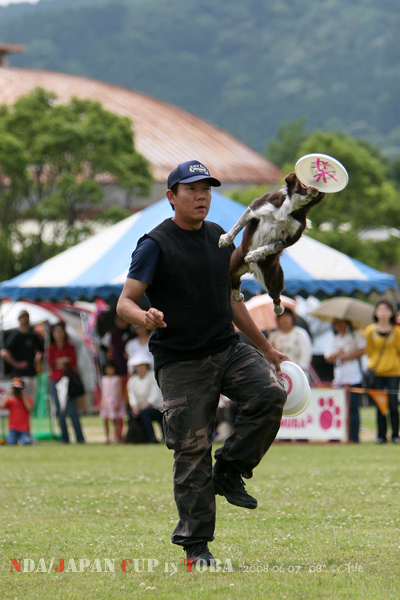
244 66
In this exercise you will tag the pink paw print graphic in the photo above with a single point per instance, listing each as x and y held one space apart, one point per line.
330 414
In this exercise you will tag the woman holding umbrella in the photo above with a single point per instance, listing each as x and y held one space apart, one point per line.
345 353
383 350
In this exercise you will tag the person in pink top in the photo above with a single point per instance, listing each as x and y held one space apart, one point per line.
61 359
112 405
20 406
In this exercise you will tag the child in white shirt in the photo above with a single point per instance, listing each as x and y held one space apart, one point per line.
145 397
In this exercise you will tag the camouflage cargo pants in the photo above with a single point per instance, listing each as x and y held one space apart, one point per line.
191 393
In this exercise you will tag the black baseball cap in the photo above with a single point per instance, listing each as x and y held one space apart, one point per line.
191 170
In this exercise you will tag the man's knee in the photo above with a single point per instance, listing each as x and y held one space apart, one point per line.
193 469
269 400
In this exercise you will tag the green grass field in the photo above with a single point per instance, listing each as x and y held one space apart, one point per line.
327 525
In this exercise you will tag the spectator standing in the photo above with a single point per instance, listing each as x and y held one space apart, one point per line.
115 342
292 340
61 360
383 351
20 406
145 398
23 350
345 352
112 405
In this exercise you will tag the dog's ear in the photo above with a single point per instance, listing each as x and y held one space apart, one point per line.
291 181
290 177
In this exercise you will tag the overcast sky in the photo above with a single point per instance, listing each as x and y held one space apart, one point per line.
6 2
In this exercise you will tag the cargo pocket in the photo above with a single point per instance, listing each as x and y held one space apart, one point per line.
176 421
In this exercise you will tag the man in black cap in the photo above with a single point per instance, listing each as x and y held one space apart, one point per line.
22 350
198 356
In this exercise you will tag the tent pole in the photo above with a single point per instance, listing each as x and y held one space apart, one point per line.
2 369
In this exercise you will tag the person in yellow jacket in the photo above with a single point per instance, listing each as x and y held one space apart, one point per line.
384 333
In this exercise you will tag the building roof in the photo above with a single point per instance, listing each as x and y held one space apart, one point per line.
164 134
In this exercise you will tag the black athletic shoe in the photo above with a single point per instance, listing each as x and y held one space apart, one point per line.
231 485
199 553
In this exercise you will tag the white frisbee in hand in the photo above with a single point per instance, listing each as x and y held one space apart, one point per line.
297 389
322 172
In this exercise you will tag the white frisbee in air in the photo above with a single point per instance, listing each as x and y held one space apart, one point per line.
322 172
297 389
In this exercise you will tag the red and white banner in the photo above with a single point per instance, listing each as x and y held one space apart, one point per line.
325 418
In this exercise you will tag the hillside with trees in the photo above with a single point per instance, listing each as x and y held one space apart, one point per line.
244 66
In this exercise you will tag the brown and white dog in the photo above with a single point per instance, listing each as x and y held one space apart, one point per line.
272 222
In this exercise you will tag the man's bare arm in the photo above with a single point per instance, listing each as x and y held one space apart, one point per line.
243 321
128 306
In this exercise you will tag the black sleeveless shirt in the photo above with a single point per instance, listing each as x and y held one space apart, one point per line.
193 291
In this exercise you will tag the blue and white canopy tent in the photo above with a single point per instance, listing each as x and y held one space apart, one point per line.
97 267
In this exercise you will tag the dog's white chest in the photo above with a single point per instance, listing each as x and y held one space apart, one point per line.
273 225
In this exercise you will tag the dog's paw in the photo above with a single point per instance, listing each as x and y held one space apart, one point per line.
253 256
279 245
237 296
225 240
278 309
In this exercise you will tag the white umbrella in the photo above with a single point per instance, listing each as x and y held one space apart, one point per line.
9 312
359 313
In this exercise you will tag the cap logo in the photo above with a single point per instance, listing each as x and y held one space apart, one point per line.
198 169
